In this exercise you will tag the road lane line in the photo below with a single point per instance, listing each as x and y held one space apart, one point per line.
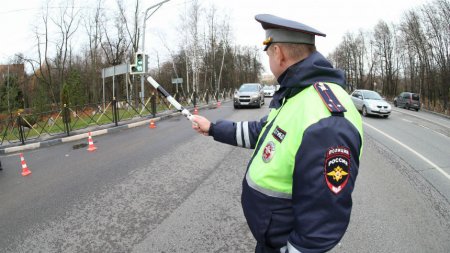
419 116
425 127
411 150
409 121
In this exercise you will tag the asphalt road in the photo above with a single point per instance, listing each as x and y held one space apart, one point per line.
171 190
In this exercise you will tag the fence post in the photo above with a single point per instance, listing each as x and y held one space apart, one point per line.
114 108
207 97
153 104
195 98
19 124
66 119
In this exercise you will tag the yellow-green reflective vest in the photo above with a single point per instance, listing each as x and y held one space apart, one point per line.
272 174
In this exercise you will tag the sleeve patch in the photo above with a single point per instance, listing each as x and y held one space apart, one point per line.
337 168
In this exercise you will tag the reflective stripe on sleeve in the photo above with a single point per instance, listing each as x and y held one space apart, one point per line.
239 134
246 135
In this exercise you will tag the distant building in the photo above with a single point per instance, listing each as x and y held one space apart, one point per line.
268 79
17 70
17 78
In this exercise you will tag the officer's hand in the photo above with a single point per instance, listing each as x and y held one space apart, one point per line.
201 124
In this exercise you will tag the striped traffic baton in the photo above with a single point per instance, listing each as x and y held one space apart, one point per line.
169 98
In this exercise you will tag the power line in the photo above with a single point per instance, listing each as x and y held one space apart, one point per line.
54 7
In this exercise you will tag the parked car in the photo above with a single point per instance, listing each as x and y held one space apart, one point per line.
249 94
408 100
269 90
370 102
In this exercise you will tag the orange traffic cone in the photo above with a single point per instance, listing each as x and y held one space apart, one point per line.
152 124
25 170
218 104
195 111
91 147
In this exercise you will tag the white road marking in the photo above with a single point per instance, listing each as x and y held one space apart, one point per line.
420 116
409 121
411 150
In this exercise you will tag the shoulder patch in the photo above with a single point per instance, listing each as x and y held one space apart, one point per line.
328 98
337 168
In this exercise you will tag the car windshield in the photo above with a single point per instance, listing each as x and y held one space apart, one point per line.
248 87
372 95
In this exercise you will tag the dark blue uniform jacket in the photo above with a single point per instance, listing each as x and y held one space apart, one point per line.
315 219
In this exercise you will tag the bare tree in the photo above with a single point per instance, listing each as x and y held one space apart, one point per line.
67 23
42 66
93 27
416 47
437 28
385 46
133 31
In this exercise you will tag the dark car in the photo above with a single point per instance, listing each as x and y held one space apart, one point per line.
408 100
249 94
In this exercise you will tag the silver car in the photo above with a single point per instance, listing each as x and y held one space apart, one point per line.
370 102
249 94
269 90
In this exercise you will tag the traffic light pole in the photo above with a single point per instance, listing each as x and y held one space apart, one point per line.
158 5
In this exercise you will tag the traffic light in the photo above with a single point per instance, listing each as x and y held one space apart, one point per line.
140 64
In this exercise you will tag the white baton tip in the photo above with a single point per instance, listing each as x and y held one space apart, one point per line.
186 113
152 82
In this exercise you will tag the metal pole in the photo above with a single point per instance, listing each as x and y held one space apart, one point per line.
126 83
103 70
7 84
143 42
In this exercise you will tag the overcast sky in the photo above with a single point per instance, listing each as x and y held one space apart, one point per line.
334 18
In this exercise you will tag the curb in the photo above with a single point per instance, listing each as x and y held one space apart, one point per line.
84 135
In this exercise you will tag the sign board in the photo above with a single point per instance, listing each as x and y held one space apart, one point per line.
115 70
177 80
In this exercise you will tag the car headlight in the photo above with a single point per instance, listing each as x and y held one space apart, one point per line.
236 96
255 96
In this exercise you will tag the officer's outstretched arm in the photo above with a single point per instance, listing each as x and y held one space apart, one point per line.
243 133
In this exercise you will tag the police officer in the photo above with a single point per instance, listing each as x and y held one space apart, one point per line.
297 190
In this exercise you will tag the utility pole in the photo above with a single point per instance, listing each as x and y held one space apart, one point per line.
7 88
157 6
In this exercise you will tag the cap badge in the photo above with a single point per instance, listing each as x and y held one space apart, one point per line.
267 41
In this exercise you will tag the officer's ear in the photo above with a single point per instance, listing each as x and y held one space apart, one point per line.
281 56
277 54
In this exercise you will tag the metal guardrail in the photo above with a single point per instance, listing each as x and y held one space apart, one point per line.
23 128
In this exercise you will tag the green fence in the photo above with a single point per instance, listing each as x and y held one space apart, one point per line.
21 128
